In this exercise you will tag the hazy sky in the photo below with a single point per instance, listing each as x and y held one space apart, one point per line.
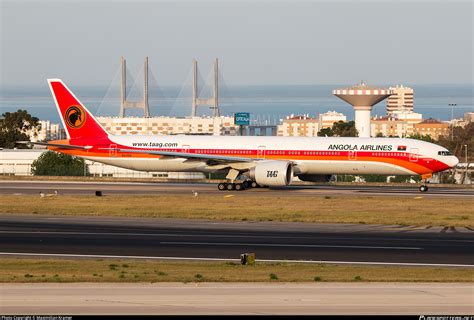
257 42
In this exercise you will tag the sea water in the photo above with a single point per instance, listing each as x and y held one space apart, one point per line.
266 104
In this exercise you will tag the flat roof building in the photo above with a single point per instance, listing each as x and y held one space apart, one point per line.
432 127
18 162
326 120
469 116
401 100
298 126
388 127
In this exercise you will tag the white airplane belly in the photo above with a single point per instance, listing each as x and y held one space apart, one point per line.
351 167
150 164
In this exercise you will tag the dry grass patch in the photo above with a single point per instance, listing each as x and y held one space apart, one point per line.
87 270
434 211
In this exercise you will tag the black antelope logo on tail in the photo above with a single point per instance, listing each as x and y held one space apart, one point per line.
75 117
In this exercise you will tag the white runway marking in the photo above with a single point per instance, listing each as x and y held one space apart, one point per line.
214 235
289 245
65 255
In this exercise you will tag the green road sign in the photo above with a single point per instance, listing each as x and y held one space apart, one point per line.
242 118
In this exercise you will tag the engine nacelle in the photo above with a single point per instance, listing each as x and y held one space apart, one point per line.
272 173
315 177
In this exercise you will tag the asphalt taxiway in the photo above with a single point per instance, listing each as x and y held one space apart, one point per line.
192 239
89 188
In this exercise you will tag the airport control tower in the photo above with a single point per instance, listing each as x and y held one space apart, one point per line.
362 98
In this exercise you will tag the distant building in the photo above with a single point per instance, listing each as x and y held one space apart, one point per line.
388 127
170 125
326 120
400 100
298 126
18 163
432 127
48 131
411 118
469 116
458 122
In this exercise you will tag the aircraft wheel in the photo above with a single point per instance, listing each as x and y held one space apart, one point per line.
423 188
222 186
246 184
239 187
254 184
230 186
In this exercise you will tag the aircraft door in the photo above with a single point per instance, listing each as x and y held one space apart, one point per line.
261 152
352 155
414 154
112 150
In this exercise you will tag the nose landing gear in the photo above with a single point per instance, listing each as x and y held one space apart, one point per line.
423 188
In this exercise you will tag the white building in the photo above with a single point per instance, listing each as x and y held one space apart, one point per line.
326 120
170 125
48 131
399 124
298 126
387 127
400 100
411 118
469 116
18 162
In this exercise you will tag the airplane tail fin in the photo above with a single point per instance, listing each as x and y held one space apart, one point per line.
77 120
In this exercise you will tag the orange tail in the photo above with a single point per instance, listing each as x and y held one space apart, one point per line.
77 120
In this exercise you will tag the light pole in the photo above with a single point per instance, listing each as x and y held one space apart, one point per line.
465 150
452 105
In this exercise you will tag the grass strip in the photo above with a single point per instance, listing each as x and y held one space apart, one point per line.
34 270
403 210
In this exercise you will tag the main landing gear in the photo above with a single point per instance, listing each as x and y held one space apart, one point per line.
239 186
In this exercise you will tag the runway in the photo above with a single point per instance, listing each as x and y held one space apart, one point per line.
237 299
89 188
169 238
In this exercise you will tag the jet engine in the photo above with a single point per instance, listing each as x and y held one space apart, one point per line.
272 173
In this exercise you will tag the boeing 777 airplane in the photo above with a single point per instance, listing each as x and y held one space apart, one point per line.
248 161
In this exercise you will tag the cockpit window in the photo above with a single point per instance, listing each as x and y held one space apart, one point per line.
445 153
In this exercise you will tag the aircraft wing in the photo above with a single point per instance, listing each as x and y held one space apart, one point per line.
60 145
191 156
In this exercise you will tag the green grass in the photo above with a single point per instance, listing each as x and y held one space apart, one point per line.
18 270
403 210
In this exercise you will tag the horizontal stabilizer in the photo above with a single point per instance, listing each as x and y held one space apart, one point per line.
59 145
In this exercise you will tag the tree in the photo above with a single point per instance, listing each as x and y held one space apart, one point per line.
404 179
446 177
462 137
374 178
14 126
344 129
345 178
325 132
340 129
51 163
424 137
